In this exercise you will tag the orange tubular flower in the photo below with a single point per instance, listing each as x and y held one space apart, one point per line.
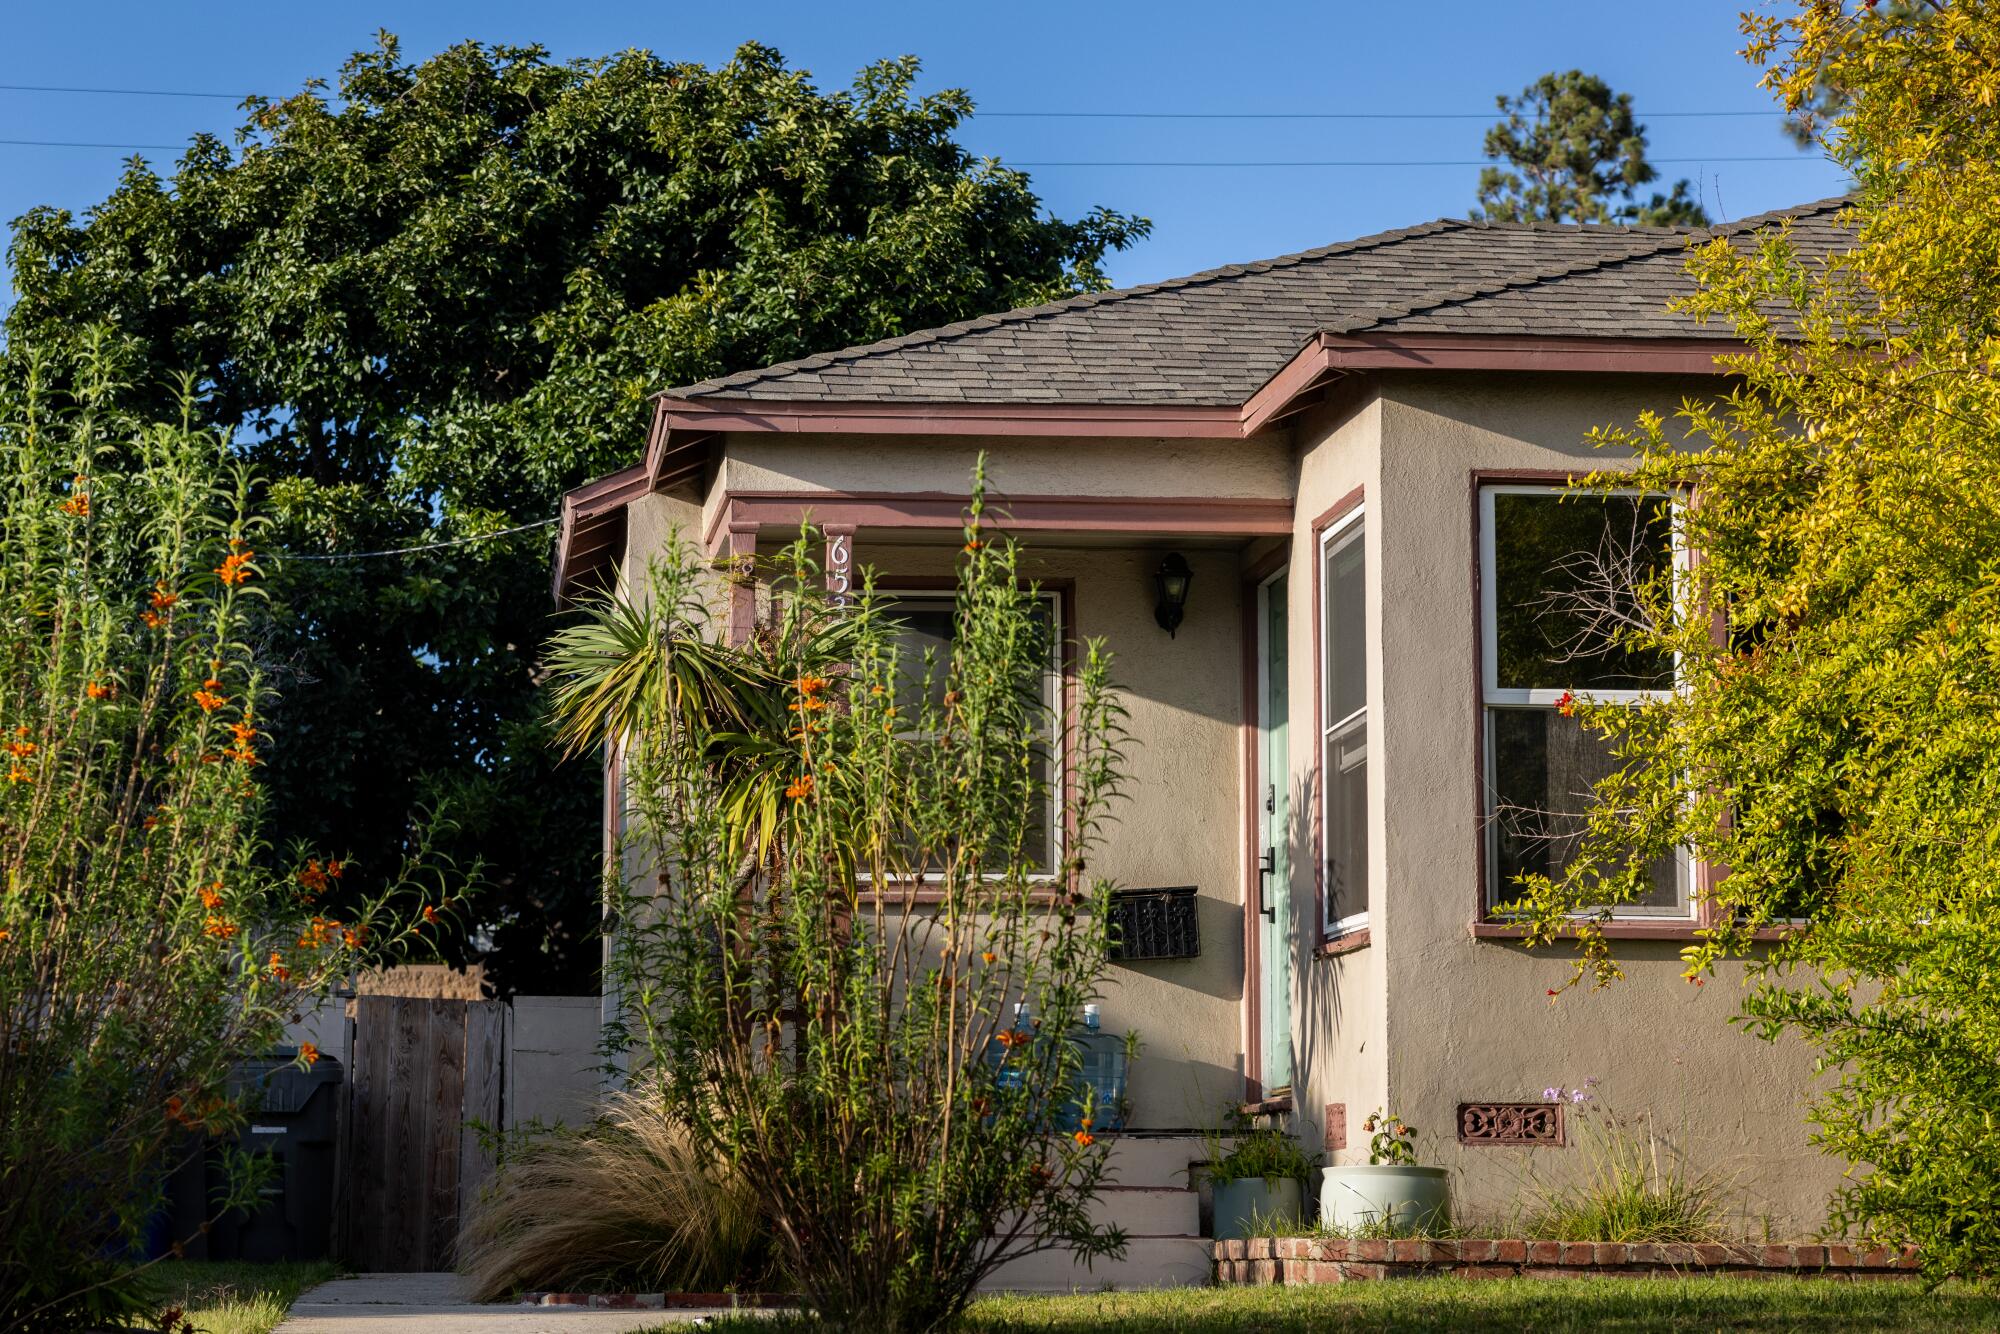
16 774
278 969
209 700
235 567
96 691
801 787
211 896
430 913
1084 1139
333 869
220 927
988 957
78 503
162 598
313 878
309 1053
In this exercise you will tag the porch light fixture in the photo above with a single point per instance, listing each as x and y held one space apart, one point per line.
1171 580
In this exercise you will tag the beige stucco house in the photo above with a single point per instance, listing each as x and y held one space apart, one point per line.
1353 449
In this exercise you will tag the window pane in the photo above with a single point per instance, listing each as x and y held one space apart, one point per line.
1346 662
1347 820
1565 568
1542 769
929 625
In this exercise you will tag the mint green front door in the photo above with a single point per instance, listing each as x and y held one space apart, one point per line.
1274 916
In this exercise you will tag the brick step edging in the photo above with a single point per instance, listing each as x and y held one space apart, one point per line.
1264 1260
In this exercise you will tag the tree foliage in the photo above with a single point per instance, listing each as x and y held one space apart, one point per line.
1835 738
436 298
1575 154
831 898
148 936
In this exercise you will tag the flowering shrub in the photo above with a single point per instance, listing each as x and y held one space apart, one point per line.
1833 739
144 943
831 901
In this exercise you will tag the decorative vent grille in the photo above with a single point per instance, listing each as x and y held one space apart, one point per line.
1154 924
1510 1123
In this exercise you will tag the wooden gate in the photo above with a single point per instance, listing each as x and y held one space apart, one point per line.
409 1162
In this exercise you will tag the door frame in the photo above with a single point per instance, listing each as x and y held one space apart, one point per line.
1254 577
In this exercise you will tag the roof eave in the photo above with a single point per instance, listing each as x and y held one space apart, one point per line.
685 431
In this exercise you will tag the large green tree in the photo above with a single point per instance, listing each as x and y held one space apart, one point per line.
1574 153
1834 740
434 299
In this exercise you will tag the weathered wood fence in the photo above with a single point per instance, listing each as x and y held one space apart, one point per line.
421 1070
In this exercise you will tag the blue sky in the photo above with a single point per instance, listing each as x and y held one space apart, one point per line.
1026 56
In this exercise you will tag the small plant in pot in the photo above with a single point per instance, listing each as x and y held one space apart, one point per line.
1389 1191
1259 1181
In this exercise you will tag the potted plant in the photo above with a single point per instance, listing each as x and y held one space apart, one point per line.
1259 1181
1390 1191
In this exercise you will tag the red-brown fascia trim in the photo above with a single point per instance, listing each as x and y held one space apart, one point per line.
1328 356
758 416
1226 516
593 525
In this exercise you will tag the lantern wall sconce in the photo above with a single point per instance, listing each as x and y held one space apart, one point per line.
1171 582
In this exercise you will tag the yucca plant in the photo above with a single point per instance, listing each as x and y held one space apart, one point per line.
148 937
839 895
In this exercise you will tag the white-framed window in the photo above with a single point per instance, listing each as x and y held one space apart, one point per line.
1557 570
928 623
1343 716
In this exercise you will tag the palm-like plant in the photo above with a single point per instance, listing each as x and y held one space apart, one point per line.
632 662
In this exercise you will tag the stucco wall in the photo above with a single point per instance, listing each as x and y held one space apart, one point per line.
1467 1019
1026 466
1338 999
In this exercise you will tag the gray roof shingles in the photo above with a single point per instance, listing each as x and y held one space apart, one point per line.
1214 338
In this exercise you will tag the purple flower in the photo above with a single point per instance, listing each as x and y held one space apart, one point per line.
1552 1094
1579 1096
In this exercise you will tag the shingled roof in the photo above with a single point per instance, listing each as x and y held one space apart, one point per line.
1213 338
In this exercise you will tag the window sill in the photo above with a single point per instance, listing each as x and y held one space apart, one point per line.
1345 943
1278 1106
1624 930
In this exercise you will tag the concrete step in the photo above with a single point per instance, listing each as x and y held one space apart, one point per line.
1148 1211
1150 1262
1142 1211
1152 1160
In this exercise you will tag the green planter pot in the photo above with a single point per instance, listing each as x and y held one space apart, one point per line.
1241 1207
1404 1197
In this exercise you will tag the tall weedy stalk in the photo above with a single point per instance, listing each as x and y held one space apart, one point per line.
833 893
143 942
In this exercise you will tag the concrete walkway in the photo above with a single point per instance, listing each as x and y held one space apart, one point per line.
432 1304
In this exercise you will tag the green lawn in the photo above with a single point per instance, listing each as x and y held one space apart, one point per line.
1558 1306
227 1297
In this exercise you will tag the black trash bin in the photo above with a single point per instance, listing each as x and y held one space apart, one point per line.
294 1119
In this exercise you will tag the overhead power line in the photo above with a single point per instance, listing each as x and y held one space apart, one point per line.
114 92
423 546
1382 162
1324 162
1316 115
72 143
993 115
